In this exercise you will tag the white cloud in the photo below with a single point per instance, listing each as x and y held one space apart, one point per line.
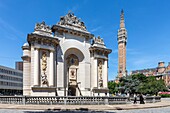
95 29
133 51
141 61
146 61
9 31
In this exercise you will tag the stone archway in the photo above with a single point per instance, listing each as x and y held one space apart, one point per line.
72 67
72 59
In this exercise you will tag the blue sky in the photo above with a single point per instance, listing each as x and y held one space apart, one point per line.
147 23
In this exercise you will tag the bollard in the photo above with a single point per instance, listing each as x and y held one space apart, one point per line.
106 102
65 101
24 100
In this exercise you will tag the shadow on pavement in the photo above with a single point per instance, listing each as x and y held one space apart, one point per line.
67 111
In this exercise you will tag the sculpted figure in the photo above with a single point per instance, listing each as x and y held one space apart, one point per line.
72 21
62 21
100 83
44 80
44 62
44 67
100 70
100 74
72 74
42 28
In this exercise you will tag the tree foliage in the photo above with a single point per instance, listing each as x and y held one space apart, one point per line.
113 87
139 83
152 86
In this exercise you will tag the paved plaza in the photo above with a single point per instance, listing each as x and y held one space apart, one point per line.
148 110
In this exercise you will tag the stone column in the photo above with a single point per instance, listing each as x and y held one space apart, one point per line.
51 69
36 67
95 76
26 70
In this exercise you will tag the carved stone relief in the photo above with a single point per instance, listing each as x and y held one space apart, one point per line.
72 21
98 40
44 68
72 74
42 28
72 65
100 79
72 60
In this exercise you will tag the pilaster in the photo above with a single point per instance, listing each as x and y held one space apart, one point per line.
36 67
51 71
95 82
105 73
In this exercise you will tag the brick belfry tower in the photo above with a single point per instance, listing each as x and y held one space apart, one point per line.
122 40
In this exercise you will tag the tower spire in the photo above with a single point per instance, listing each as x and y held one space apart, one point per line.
122 20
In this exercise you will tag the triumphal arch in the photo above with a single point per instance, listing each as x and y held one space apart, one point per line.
64 60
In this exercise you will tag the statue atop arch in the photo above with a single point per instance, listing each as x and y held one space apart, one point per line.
70 20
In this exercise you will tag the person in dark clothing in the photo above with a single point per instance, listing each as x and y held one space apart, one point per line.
141 99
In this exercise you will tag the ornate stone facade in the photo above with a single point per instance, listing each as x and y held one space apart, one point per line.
61 60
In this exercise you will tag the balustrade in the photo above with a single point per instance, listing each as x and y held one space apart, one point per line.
70 100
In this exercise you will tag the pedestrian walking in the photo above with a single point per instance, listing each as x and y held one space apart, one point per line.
135 99
141 99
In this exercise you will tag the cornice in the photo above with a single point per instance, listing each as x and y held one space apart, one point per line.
62 29
36 38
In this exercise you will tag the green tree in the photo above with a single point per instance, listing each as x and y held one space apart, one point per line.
140 77
139 83
113 87
152 86
131 83
126 85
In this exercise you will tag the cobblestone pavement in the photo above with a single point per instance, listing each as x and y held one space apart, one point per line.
149 110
